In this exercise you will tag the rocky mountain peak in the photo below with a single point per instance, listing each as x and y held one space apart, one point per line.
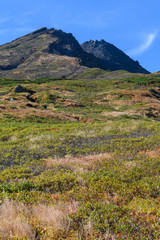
54 53
113 56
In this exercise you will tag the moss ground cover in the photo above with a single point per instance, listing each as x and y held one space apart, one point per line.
72 172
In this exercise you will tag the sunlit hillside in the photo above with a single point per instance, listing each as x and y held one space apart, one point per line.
80 158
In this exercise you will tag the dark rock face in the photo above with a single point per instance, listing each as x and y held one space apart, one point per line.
20 89
29 105
112 56
54 53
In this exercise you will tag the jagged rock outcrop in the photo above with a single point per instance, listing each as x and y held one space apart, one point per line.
112 56
51 53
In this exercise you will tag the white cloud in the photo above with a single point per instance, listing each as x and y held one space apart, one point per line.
146 44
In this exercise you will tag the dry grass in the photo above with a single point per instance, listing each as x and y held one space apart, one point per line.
72 207
16 220
149 100
13 222
132 126
41 137
154 153
25 111
127 112
18 108
131 164
52 217
84 160
80 165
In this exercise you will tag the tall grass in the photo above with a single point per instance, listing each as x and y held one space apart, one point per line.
13 221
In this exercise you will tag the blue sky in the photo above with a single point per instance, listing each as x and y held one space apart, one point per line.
131 25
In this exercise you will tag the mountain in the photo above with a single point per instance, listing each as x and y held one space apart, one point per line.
110 54
54 53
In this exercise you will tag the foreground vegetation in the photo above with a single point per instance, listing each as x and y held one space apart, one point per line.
82 160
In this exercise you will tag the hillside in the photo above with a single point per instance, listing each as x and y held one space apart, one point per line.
80 158
54 53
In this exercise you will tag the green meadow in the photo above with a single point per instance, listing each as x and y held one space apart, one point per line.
80 159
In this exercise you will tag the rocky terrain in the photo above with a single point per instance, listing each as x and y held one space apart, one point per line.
117 59
50 53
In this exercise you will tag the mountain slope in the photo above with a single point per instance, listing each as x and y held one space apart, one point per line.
110 54
50 53
43 53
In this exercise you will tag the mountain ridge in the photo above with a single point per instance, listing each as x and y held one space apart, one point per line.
50 53
108 52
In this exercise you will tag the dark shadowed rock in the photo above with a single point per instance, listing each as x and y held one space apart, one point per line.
20 89
45 106
155 93
29 105
114 57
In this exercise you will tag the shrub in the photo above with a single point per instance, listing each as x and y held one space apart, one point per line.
46 98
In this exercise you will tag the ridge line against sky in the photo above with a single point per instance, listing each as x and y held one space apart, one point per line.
132 26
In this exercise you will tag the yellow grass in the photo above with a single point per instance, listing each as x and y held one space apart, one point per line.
52 217
84 160
13 222
17 220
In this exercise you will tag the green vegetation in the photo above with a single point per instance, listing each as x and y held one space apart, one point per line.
46 98
87 171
